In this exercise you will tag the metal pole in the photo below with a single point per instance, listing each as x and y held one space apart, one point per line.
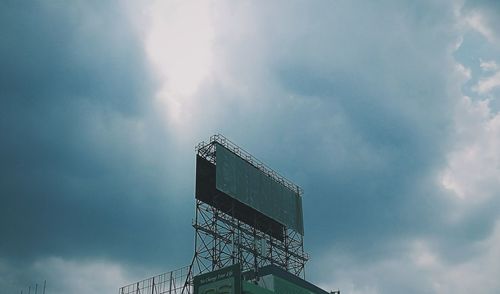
195 256
171 281
214 247
36 288
44 284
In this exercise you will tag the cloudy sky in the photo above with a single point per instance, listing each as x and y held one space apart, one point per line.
385 112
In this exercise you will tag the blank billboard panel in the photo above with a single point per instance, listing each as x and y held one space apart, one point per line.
207 192
249 185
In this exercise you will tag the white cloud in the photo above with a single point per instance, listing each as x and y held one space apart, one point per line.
399 273
478 22
490 65
489 83
473 170
476 275
418 269
67 276
486 85
178 42
178 37
462 73
76 276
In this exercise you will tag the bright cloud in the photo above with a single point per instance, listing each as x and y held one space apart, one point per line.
488 84
71 276
477 21
420 269
178 42
473 170
490 65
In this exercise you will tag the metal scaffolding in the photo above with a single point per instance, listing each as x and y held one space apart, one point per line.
174 282
222 240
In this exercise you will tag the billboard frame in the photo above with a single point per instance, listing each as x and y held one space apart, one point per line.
241 180
222 239
203 149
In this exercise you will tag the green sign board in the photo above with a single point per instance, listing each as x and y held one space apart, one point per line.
224 281
249 185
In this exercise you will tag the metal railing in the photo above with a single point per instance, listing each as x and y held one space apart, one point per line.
174 282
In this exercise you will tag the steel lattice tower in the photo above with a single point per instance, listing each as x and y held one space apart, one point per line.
221 239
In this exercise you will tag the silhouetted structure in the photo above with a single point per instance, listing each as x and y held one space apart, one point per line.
248 230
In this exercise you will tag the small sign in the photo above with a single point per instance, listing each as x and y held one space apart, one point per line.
223 281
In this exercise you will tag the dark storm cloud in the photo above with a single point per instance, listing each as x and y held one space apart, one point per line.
359 116
354 101
79 173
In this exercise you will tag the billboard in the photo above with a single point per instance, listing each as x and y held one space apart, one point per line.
207 192
223 281
246 183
